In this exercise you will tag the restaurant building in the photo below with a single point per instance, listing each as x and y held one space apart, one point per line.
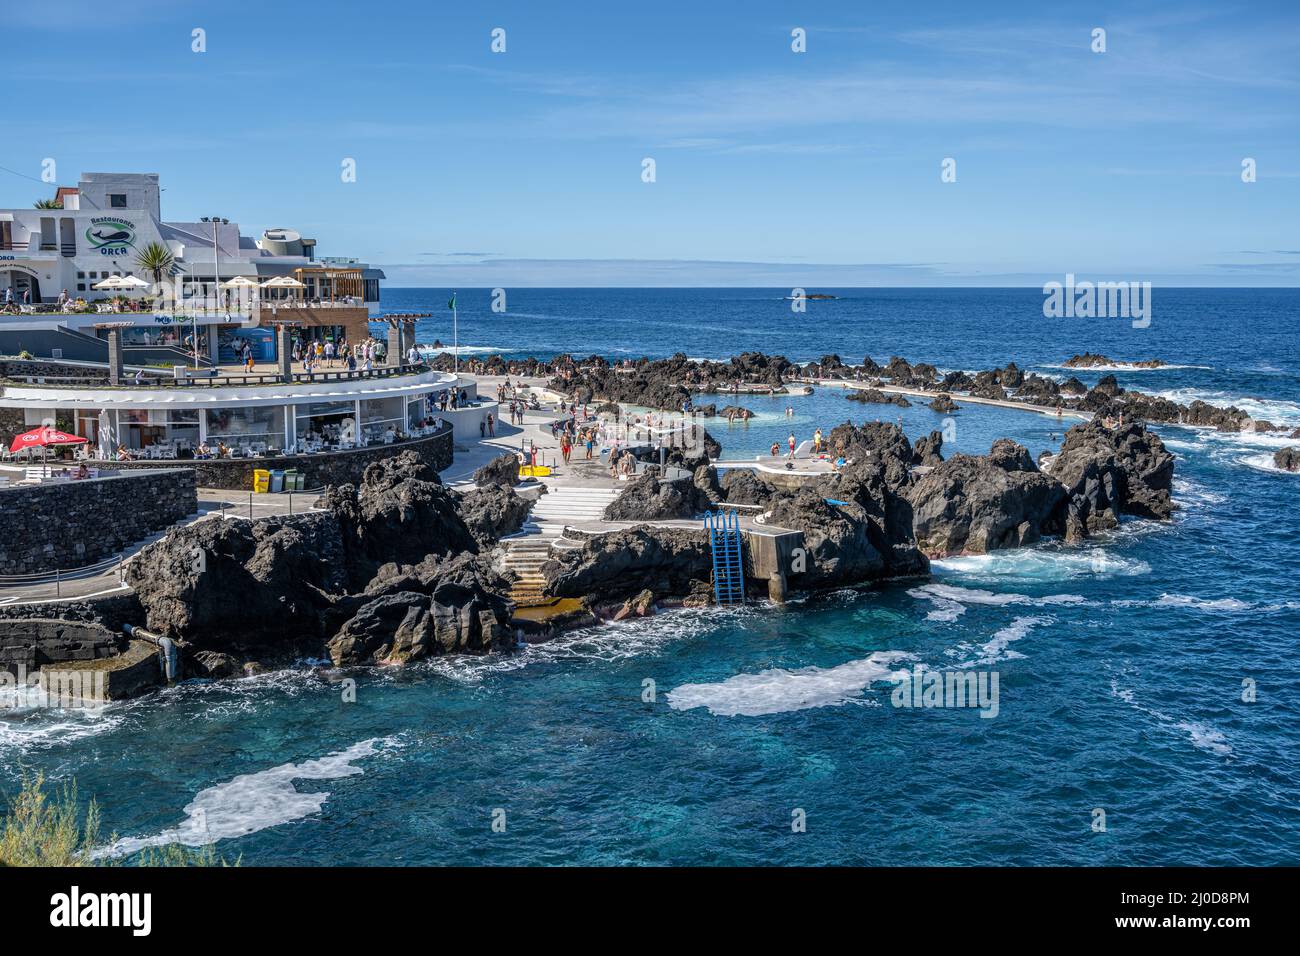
213 289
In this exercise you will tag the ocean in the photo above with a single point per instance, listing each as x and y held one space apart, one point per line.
1148 679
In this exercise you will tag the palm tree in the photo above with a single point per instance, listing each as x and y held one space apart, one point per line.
155 259
47 204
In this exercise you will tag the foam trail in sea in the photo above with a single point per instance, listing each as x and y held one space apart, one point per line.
780 690
1042 564
255 801
1202 735
998 648
946 595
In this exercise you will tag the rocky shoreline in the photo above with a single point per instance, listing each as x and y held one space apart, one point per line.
399 568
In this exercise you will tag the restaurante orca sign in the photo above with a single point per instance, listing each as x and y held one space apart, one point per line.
110 236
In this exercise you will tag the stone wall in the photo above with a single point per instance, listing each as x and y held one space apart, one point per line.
330 468
20 369
28 645
110 610
70 524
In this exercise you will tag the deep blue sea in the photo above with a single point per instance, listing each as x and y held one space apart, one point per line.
697 737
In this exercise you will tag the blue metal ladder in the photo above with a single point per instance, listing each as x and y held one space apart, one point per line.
728 559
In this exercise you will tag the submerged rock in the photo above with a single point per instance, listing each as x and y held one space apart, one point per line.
944 405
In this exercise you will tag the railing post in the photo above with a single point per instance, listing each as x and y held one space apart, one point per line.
250 506
58 583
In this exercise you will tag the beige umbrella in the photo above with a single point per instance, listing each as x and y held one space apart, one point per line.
240 282
283 282
121 283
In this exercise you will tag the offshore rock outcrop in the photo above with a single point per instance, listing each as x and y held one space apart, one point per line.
1288 459
875 396
973 503
943 404
1109 472
981 503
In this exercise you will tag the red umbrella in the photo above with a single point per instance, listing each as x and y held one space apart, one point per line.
45 435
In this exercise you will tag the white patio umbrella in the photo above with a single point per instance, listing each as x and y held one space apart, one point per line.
240 282
283 282
121 283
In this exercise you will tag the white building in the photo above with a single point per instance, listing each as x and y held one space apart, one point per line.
99 232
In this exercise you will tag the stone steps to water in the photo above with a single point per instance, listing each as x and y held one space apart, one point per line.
530 548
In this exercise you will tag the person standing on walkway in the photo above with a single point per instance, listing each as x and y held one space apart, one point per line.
817 442
491 424
566 448
791 442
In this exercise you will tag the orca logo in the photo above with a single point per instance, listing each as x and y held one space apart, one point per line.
112 237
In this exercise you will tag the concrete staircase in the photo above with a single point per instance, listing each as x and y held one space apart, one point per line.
527 551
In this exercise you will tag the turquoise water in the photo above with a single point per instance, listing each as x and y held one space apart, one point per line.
1120 664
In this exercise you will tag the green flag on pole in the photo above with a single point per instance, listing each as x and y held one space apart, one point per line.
451 304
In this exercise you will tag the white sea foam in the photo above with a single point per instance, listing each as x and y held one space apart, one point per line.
1125 368
612 641
780 691
1201 735
1229 605
949 593
1206 737
1264 462
998 648
464 350
255 801
1276 410
1043 564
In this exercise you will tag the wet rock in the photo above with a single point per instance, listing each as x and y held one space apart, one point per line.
1038 390
640 605
944 405
214 665
1288 459
1072 386
736 413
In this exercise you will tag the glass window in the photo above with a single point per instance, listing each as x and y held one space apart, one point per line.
117 200
239 427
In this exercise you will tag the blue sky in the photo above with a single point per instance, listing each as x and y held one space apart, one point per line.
773 168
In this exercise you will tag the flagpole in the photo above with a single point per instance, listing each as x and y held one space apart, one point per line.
455 337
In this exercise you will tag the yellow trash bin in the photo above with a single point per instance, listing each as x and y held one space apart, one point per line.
261 479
